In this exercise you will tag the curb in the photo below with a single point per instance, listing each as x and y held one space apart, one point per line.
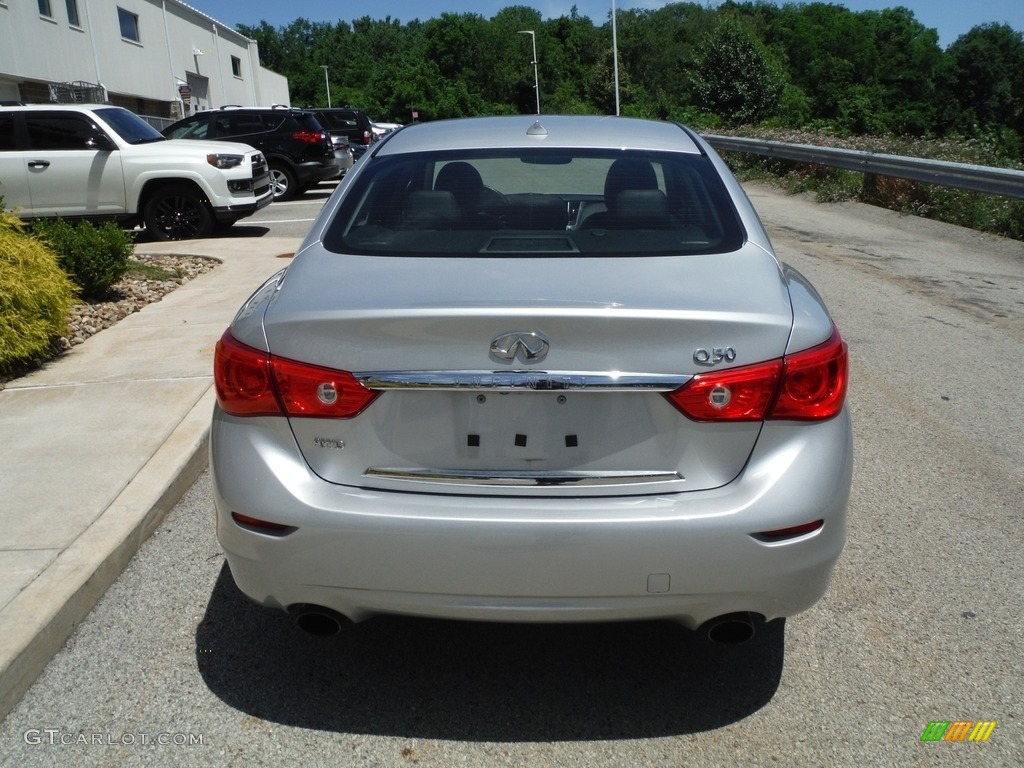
75 581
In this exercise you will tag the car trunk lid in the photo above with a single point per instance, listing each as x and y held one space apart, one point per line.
528 375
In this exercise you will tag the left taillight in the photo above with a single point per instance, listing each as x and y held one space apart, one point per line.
251 382
805 386
242 377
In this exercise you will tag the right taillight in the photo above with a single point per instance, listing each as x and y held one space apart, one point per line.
814 382
805 386
251 382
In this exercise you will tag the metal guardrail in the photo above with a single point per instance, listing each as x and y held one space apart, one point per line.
980 178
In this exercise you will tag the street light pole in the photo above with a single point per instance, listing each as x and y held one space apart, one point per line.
327 82
536 82
615 58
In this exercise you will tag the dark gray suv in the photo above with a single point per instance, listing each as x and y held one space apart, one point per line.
297 147
348 122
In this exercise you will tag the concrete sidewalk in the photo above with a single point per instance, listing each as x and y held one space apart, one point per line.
100 444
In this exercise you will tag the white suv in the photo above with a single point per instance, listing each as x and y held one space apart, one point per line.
100 161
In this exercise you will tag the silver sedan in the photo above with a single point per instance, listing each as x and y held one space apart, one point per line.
534 369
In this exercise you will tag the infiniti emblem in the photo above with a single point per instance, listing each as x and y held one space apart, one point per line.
531 347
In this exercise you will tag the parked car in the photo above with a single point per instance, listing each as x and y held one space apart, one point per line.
102 162
382 129
534 369
343 154
297 147
348 122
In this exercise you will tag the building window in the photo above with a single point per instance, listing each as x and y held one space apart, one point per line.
45 9
73 19
236 66
129 24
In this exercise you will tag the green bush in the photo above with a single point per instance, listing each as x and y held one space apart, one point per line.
35 296
95 257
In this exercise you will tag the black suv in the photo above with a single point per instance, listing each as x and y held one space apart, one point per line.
348 122
297 148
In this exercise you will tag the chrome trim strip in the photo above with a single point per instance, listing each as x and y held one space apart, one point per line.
531 479
512 381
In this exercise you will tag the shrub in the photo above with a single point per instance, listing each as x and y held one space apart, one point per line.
35 296
95 257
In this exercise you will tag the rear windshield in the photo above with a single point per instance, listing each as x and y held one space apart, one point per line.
338 121
543 202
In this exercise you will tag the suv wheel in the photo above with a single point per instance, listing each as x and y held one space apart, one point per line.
282 182
177 213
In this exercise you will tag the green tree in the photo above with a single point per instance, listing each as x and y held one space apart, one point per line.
908 63
736 75
815 65
984 85
507 84
658 51
571 48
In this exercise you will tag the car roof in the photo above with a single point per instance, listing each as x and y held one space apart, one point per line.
58 107
277 109
334 109
549 131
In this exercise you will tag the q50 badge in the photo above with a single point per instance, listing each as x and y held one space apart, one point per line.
714 356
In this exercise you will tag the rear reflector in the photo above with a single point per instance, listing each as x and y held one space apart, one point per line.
262 526
791 532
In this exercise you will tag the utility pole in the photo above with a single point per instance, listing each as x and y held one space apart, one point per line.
536 82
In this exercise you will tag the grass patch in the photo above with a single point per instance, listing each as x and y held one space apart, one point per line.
141 270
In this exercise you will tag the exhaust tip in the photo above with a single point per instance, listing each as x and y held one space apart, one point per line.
322 622
730 628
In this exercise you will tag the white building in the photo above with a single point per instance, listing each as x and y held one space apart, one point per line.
158 58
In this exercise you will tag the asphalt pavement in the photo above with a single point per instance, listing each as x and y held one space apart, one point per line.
923 622
98 445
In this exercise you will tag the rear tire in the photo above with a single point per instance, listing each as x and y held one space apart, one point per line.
178 213
283 183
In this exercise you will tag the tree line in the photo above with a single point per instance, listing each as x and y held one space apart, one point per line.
814 66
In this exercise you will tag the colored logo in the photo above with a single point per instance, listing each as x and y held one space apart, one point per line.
958 730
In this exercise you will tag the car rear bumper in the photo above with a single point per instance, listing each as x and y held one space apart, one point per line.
311 173
345 161
686 556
